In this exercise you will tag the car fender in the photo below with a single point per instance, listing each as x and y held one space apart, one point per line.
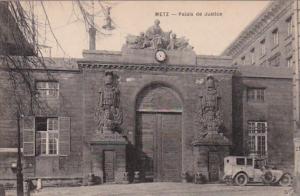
239 173
237 170
277 174
283 173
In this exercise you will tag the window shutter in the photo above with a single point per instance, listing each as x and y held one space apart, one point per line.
28 135
64 135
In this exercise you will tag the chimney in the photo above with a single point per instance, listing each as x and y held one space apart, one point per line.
92 37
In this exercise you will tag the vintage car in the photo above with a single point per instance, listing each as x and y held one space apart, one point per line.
241 170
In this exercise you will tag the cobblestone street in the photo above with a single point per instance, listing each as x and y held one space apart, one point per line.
169 189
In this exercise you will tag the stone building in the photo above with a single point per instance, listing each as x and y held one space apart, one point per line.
158 108
262 94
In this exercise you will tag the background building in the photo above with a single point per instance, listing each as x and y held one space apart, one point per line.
263 53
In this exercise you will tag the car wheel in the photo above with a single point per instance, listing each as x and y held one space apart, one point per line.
241 179
268 177
285 180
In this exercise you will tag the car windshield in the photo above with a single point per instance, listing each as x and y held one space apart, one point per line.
259 164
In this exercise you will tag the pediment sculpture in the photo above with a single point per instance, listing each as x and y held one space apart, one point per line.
155 38
109 114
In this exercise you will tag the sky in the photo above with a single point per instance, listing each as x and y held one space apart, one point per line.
209 35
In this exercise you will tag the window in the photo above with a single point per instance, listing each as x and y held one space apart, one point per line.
263 47
290 61
243 60
256 94
274 61
48 89
47 136
289 23
249 162
240 161
275 35
257 132
252 56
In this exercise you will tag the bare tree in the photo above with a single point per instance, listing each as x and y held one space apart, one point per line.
20 57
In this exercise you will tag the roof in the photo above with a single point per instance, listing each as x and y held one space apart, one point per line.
256 26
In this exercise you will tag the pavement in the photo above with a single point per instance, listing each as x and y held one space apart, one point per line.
165 189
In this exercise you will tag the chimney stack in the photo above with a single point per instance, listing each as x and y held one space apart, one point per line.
92 37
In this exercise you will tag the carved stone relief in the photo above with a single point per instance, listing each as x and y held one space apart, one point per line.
209 123
109 112
209 116
155 38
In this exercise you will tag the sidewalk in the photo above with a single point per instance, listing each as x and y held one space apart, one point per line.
168 189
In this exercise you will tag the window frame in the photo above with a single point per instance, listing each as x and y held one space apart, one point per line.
289 61
263 47
240 161
252 56
256 133
290 26
47 89
256 94
45 138
275 37
274 61
243 60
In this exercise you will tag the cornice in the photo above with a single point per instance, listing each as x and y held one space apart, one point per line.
270 14
158 68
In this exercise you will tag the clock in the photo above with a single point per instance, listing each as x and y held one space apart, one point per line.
160 56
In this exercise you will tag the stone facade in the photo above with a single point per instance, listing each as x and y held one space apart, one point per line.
178 83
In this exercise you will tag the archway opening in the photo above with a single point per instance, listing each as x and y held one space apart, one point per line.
158 133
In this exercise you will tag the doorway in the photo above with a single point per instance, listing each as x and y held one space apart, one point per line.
158 134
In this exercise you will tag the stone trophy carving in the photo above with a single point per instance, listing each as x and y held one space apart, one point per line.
209 144
209 117
109 114
155 38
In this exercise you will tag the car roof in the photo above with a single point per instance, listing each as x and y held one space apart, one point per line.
239 157
248 157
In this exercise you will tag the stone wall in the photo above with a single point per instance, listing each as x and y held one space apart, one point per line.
276 110
68 104
131 83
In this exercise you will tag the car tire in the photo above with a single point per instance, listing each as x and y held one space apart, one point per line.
268 177
286 180
241 179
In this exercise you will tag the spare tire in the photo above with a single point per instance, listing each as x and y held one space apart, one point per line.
268 177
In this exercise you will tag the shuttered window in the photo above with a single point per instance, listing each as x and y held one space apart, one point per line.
64 136
28 136
46 136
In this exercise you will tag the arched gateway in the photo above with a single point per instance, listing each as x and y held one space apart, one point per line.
158 133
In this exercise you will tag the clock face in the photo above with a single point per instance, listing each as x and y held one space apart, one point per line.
160 55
